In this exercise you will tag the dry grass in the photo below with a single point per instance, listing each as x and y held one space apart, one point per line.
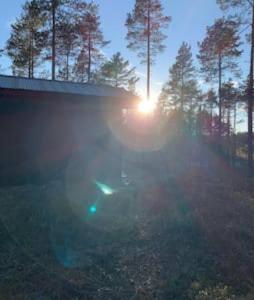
191 237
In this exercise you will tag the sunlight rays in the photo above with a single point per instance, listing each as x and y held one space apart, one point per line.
146 107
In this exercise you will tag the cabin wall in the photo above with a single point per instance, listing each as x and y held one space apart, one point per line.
40 138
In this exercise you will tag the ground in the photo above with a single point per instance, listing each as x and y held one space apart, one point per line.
188 237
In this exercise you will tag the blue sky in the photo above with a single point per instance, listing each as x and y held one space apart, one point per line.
189 21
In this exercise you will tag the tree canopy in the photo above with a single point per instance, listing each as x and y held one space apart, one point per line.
117 72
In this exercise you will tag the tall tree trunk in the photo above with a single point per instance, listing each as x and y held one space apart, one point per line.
228 122
148 51
220 98
53 3
250 100
235 116
182 83
29 67
211 120
32 64
30 55
67 66
89 58
229 150
234 142
199 122
84 71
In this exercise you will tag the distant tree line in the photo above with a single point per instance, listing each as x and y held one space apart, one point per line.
212 112
63 40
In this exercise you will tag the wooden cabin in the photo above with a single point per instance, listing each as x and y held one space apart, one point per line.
47 127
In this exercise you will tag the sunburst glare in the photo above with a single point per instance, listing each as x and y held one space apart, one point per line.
146 106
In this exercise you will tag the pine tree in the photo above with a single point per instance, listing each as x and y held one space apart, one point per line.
211 102
92 41
132 85
229 97
145 35
246 9
117 72
54 4
27 40
51 9
80 68
18 51
218 52
181 91
66 40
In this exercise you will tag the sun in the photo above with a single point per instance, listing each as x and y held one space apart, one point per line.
146 107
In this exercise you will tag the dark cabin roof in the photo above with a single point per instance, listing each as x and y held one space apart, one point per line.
63 87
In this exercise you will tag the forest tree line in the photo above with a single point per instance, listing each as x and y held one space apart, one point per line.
63 40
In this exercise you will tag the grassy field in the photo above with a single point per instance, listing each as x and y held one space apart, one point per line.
190 237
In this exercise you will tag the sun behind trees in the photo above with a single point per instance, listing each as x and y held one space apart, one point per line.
145 33
64 40
106 195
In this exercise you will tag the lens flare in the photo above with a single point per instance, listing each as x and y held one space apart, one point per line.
146 107
106 190
92 209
